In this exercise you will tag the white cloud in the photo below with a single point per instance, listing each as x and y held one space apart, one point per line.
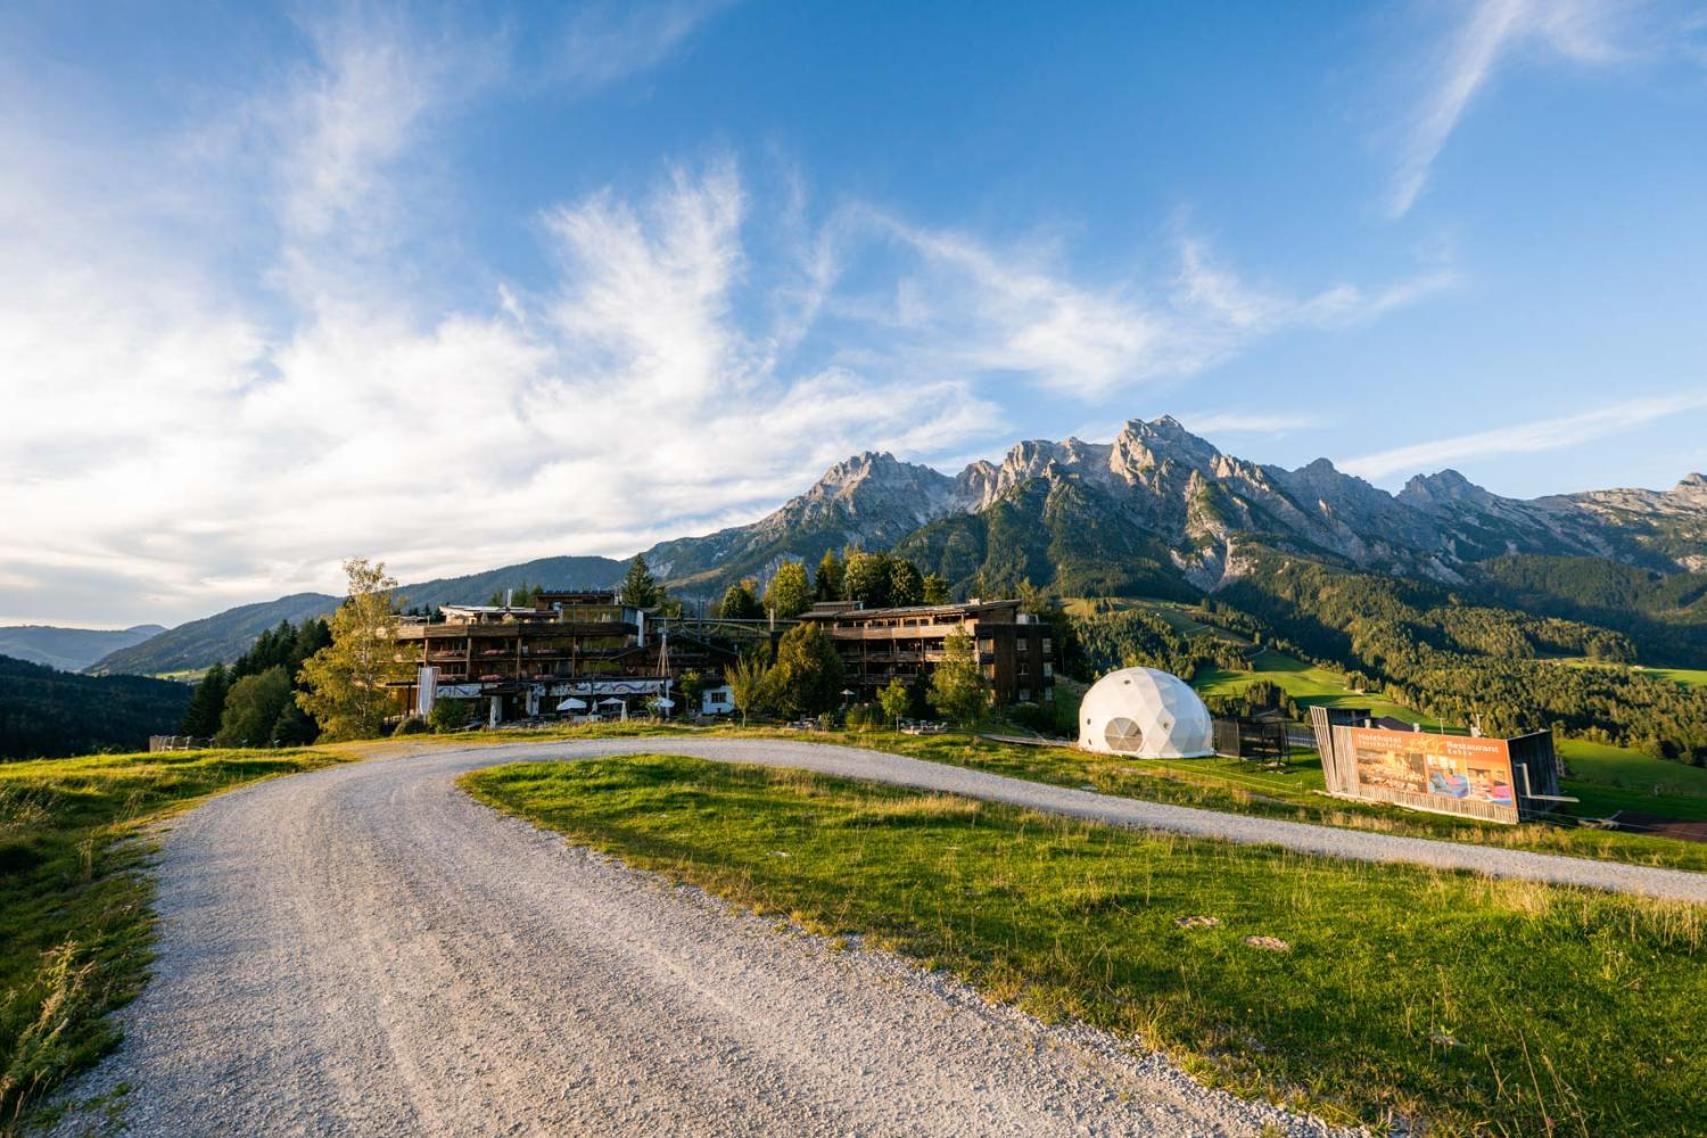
1490 32
1524 438
608 42
1250 422
178 438
984 310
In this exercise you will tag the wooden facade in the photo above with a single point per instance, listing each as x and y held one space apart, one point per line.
1016 651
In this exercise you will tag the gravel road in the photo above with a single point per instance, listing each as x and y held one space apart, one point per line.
363 950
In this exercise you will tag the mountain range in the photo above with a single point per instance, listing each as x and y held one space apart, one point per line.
69 649
1158 511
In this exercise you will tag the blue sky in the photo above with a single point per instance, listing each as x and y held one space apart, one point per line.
459 286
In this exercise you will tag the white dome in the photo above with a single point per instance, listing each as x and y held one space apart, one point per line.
1146 714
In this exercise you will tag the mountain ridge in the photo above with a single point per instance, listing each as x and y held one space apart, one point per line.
1155 510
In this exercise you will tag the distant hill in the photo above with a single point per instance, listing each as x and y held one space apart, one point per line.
69 649
44 712
221 637
226 635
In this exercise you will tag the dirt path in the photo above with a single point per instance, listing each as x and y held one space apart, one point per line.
367 951
363 950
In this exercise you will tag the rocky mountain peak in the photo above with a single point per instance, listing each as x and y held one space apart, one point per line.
1427 491
1143 446
1692 486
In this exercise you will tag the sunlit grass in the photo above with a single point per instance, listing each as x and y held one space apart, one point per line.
75 927
1372 991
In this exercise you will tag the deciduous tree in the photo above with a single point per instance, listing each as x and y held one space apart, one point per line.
739 603
895 699
958 690
252 707
789 594
345 683
865 578
747 683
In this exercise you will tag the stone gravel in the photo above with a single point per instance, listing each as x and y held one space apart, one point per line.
364 950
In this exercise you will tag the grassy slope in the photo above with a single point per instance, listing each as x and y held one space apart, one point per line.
1306 683
75 929
1486 1007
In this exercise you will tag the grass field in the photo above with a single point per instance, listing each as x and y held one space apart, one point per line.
1293 792
1609 779
75 927
1475 1005
1308 684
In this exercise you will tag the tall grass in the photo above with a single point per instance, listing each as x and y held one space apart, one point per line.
75 928
1376 993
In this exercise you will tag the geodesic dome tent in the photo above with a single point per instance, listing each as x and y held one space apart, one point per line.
1146 714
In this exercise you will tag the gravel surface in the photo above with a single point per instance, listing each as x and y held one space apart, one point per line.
363 950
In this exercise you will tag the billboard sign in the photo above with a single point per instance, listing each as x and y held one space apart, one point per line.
1397 765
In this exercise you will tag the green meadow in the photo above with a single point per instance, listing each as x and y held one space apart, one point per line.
1380 994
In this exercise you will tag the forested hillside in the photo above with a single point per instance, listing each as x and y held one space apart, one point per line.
1459 661
44 712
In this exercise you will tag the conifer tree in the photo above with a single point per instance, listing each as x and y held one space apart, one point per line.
201 718
639 589
827 582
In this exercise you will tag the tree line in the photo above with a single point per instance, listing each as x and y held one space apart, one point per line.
1426 648
875 579
252 703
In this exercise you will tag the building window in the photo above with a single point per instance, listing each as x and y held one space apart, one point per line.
1022 644
1048 668
1022 669
987 645
1048 646
1025 695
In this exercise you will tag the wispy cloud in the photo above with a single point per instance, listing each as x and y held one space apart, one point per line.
1489 33
1524 438
607 42
1014 311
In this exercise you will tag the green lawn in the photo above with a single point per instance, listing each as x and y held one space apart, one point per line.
1475 1006
1308 684
1609 778
75 927
1293 792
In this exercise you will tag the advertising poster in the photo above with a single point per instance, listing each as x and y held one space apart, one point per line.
1446 767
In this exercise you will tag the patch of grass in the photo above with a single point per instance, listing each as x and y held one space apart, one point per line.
1293 792
1386 992
1610 778
1308 684
75 926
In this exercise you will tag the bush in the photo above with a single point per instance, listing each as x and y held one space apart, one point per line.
414 725
450 715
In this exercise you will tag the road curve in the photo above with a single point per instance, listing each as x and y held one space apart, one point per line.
363 950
